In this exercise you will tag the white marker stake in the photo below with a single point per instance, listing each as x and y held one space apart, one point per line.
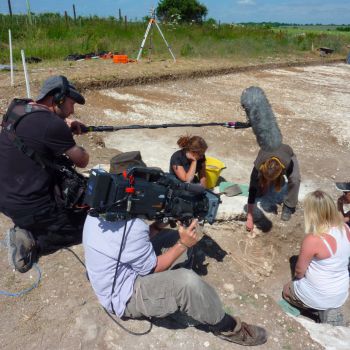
11 58
25 73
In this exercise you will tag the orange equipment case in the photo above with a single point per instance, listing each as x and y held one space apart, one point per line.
120 59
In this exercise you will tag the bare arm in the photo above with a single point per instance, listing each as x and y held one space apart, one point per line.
188 238
78 156
203 176
250 217
253 189
308 250
181 173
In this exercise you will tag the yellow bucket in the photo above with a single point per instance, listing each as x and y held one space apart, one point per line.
213 168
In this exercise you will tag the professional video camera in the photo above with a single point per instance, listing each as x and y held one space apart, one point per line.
148 193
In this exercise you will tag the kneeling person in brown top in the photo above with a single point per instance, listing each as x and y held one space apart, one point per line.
269 169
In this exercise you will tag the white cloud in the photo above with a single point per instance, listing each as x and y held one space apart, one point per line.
246 2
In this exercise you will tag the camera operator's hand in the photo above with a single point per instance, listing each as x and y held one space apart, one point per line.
188 236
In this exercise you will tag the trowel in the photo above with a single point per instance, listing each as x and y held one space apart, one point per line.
231 191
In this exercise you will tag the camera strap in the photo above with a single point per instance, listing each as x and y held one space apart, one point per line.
19 109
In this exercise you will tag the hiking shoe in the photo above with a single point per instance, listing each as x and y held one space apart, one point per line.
247 334
287 213
21 249
333 317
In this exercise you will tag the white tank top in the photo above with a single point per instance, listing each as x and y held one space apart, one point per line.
326 282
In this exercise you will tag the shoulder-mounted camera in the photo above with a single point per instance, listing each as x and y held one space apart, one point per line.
148 193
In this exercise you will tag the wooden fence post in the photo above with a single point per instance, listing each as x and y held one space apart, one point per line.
10 7
126 22
74 13
29 13
120 15
66 16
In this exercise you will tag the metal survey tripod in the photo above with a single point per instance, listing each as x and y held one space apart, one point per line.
152 22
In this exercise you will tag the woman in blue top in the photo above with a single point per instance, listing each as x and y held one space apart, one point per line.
188 163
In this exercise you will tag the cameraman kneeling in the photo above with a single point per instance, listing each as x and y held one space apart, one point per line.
34 138
134 282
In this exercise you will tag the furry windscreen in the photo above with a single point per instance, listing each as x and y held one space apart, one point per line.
261 118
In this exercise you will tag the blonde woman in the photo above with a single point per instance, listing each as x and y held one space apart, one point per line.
269 170
188 163
321 280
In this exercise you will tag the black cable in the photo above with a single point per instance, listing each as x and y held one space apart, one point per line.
128 330
118 261
75 254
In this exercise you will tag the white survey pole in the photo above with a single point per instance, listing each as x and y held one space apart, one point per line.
25 73
166 43
11 58
144 40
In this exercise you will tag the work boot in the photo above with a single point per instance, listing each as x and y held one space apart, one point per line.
21 249
244 334
287 213
331 316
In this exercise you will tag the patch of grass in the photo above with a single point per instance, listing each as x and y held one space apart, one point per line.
187 50
52 36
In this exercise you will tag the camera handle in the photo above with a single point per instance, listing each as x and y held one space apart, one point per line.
143 170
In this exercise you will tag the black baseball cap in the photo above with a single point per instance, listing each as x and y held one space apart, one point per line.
58 83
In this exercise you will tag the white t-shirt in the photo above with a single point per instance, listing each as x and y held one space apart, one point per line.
102 240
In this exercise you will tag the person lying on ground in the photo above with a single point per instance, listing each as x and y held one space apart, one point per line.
269 170
188 163
321 280
140 284
34 137
344 201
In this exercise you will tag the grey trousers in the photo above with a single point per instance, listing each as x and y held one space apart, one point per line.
163 293
179 289
291 199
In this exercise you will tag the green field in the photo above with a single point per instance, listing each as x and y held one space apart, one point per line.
51 36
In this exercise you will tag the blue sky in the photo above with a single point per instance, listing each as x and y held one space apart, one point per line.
293 11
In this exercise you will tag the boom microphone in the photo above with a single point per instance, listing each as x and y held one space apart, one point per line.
261 118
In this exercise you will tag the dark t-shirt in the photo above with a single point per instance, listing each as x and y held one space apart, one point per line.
179 158
284 153
24 184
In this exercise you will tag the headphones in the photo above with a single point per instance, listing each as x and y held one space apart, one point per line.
60 96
